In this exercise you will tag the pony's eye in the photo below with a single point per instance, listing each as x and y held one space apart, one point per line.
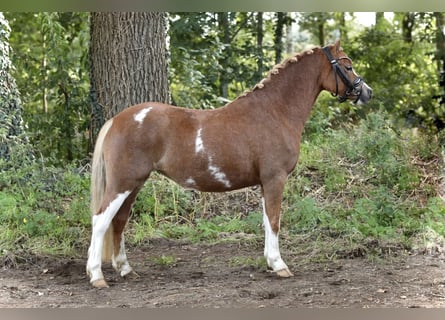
348 68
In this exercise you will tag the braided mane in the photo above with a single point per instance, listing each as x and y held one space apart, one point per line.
277 69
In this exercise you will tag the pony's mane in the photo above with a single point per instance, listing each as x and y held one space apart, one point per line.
278 68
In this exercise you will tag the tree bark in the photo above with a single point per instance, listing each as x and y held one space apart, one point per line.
440 57
407 26
379 17
342 27
259 46
224 30
440 54
278 36
440 41
128 62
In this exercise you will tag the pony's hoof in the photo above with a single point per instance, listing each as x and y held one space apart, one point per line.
284 273
100 283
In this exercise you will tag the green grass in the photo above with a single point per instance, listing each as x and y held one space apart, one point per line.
352 187
165 260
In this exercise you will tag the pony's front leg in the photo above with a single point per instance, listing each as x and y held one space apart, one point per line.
272 197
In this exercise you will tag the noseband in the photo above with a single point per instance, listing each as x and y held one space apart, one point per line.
353 88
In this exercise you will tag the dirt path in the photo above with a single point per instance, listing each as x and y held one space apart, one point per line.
183 274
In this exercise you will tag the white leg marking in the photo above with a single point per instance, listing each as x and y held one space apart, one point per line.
271 247
199 145
100 223
120 263
140 116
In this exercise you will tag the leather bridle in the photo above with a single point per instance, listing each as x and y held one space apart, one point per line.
353 88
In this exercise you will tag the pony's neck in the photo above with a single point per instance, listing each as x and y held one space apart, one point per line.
292 87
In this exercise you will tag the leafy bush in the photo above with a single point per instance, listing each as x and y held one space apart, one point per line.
368 180
44 209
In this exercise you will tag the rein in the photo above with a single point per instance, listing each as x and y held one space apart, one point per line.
354 88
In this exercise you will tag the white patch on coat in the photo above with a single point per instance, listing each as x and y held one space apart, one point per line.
271 247
100 223
140 116
218 174
214 170
190 182
199 145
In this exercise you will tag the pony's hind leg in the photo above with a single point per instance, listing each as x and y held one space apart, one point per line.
101 223
119 258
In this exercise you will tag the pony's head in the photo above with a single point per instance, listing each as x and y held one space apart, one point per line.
341 79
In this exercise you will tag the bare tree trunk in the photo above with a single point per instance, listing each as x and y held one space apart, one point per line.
440 41
223 22
259 46
408 26
128 62
440 55
321 35
379 16
342 27
278 36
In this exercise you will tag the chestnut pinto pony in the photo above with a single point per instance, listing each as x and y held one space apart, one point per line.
253 140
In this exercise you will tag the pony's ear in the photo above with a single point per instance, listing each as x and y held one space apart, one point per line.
337 46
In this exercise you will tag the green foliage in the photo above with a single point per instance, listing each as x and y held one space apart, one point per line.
204 55
361 175
403 74
11 123
50 55
371 185
44 212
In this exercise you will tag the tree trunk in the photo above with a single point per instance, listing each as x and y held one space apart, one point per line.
128 62
259 46
440 56
379 16
440 41
278 36
224 30
342 27
321 33
407 26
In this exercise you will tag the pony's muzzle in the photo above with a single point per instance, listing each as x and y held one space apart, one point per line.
365 95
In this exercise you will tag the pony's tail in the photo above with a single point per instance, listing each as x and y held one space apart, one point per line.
98 184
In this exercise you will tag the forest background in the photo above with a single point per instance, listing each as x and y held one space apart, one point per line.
367 174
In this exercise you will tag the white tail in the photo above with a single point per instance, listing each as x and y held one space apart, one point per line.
98 184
